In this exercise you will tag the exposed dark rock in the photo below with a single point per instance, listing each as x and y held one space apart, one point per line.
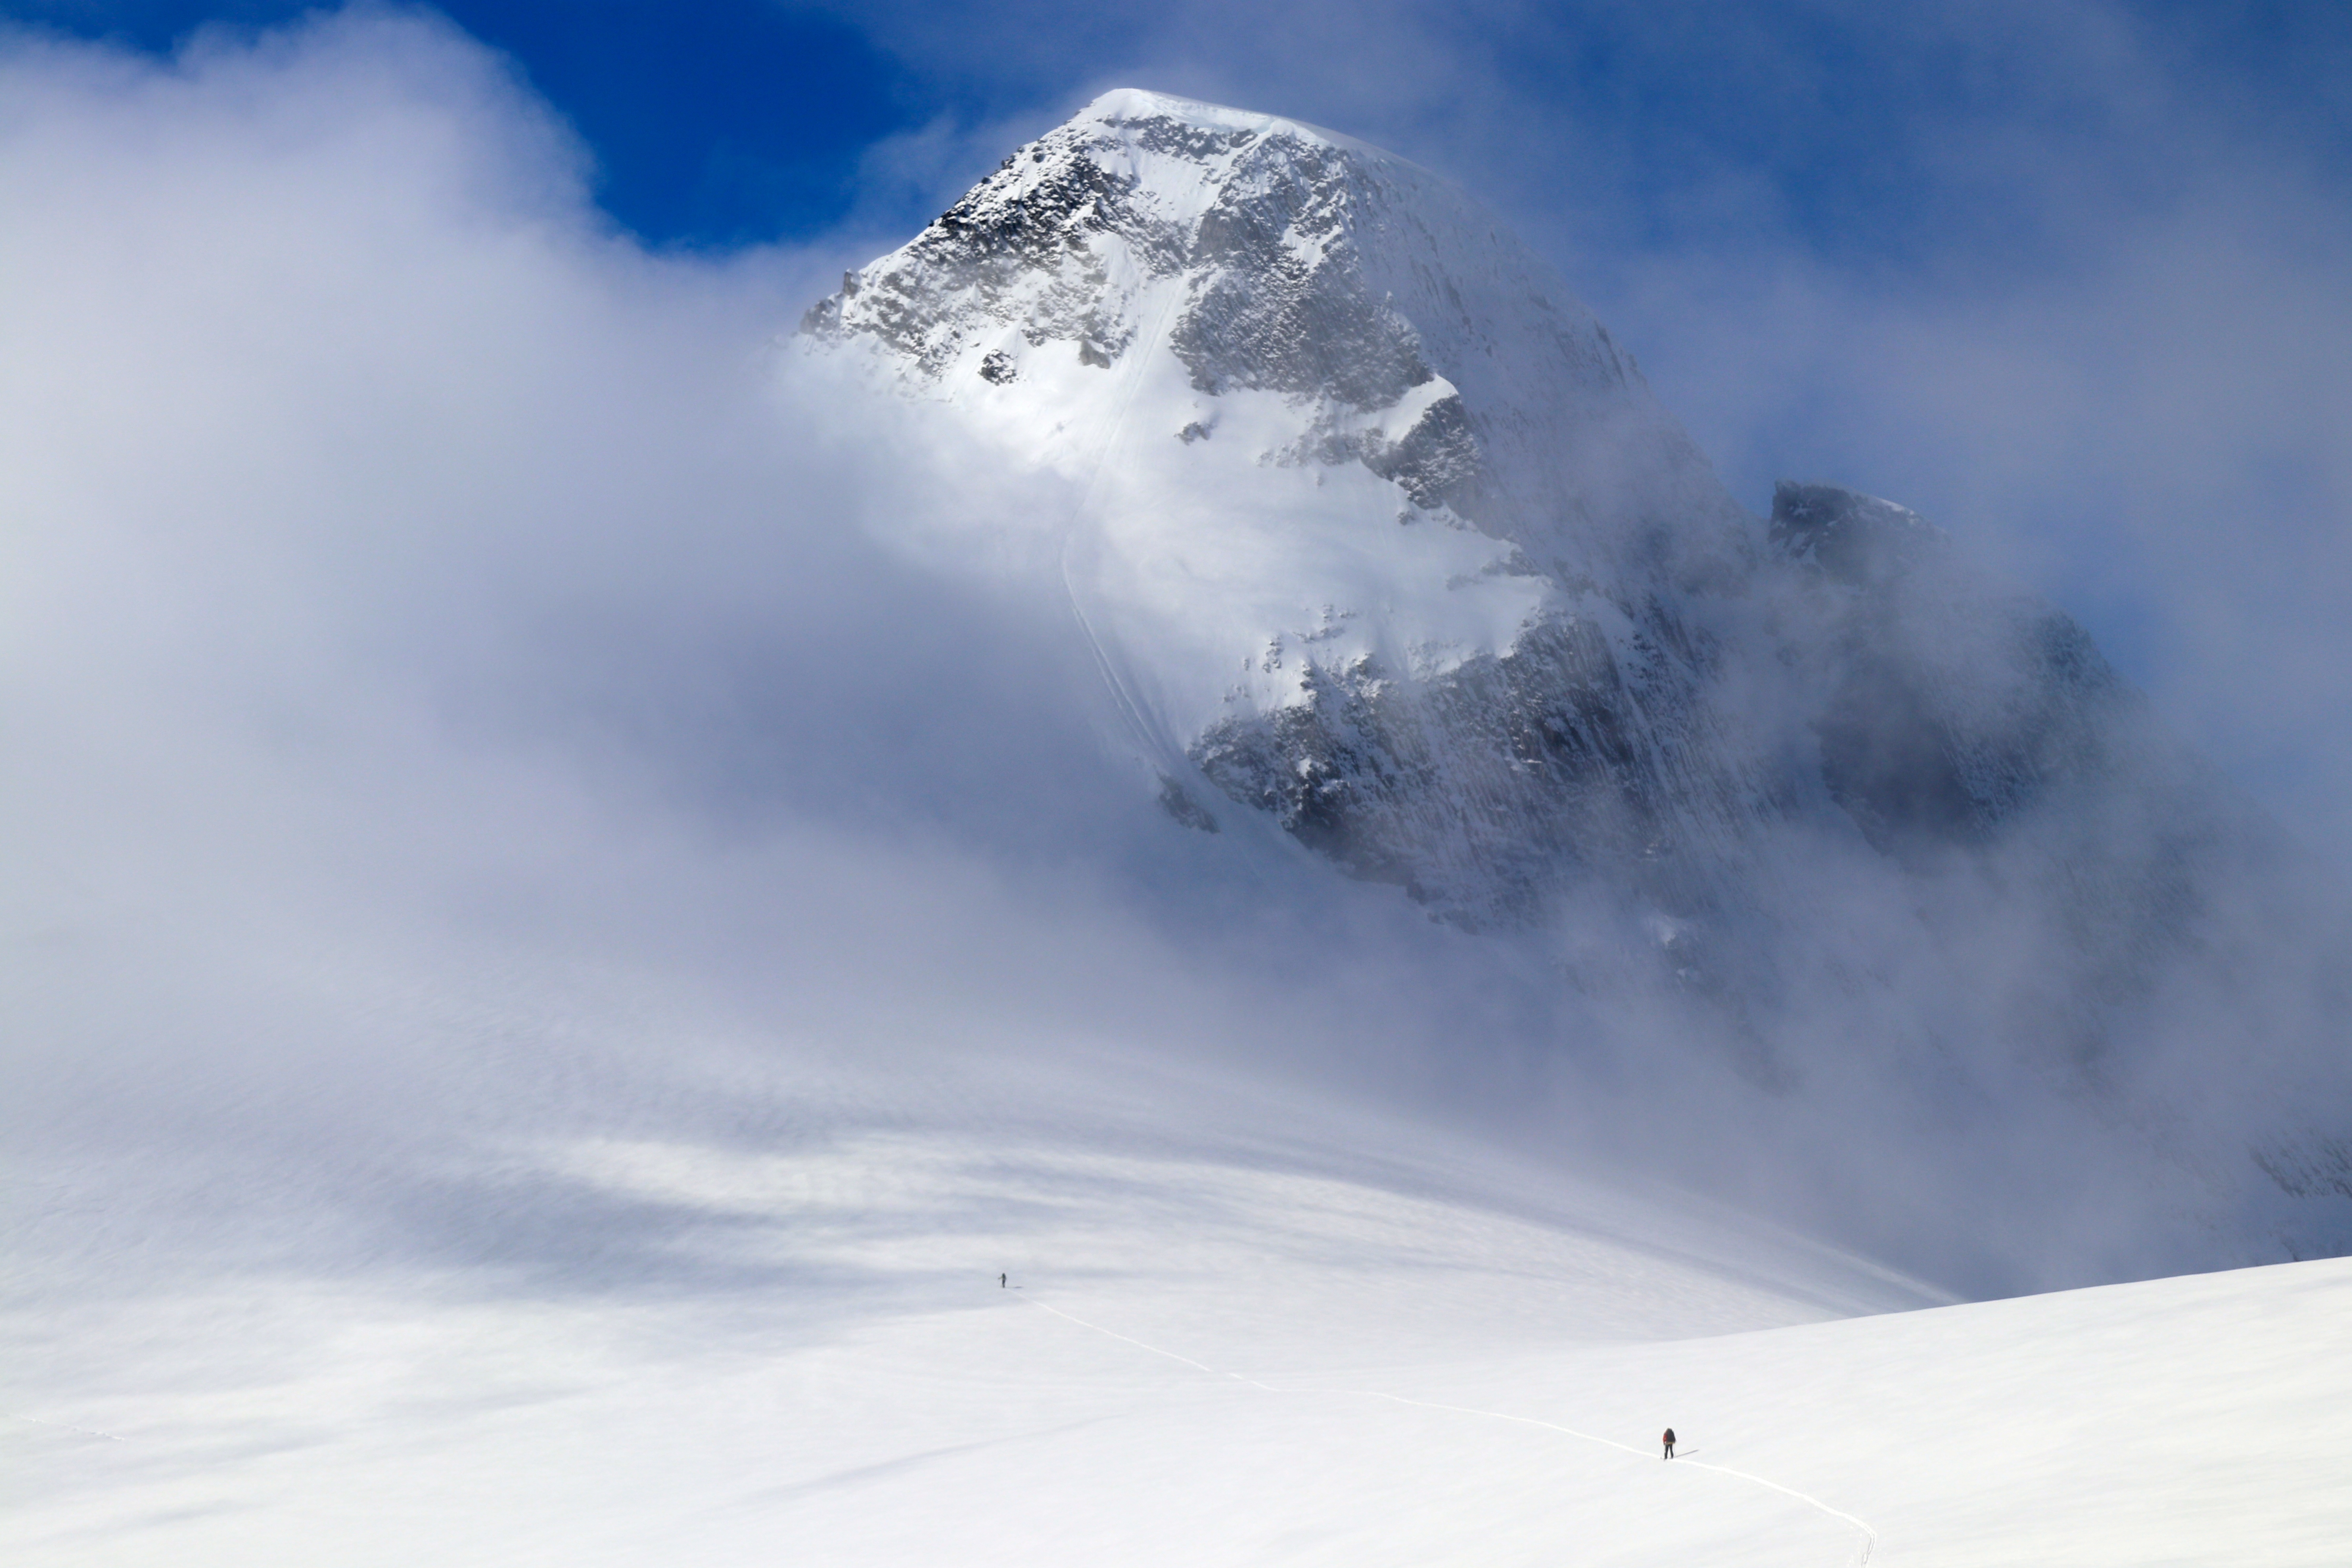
1957 704
1178 803
1491 791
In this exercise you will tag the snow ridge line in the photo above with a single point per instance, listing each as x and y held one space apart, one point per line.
1869 1536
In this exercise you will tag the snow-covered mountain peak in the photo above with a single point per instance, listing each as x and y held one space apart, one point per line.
1377 537
1202 252
1065 241
1346 461
1328 425
1125 106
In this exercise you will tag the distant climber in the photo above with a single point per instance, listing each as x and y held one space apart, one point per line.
1670 1442
1000 1282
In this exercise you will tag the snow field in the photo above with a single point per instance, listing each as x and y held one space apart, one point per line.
1234 1356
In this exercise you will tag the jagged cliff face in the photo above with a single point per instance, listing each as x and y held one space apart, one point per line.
1383 536
1376 532
1386 538
1196 254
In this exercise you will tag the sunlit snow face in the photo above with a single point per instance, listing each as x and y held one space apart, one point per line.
1219 330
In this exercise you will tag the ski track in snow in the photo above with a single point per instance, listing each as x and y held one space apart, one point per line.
1869 1536
1150 735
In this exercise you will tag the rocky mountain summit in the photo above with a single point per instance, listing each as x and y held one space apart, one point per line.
1258 254
1376 532
1434 517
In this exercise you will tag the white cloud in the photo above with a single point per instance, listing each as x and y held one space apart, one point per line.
452 679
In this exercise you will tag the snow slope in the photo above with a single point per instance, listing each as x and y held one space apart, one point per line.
1260 1348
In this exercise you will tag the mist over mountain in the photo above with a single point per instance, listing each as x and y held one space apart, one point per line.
1378 538
1211 604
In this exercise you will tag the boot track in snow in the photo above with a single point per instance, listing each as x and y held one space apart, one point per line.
1869 1536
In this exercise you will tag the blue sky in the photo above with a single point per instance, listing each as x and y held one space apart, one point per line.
714 123
711 124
